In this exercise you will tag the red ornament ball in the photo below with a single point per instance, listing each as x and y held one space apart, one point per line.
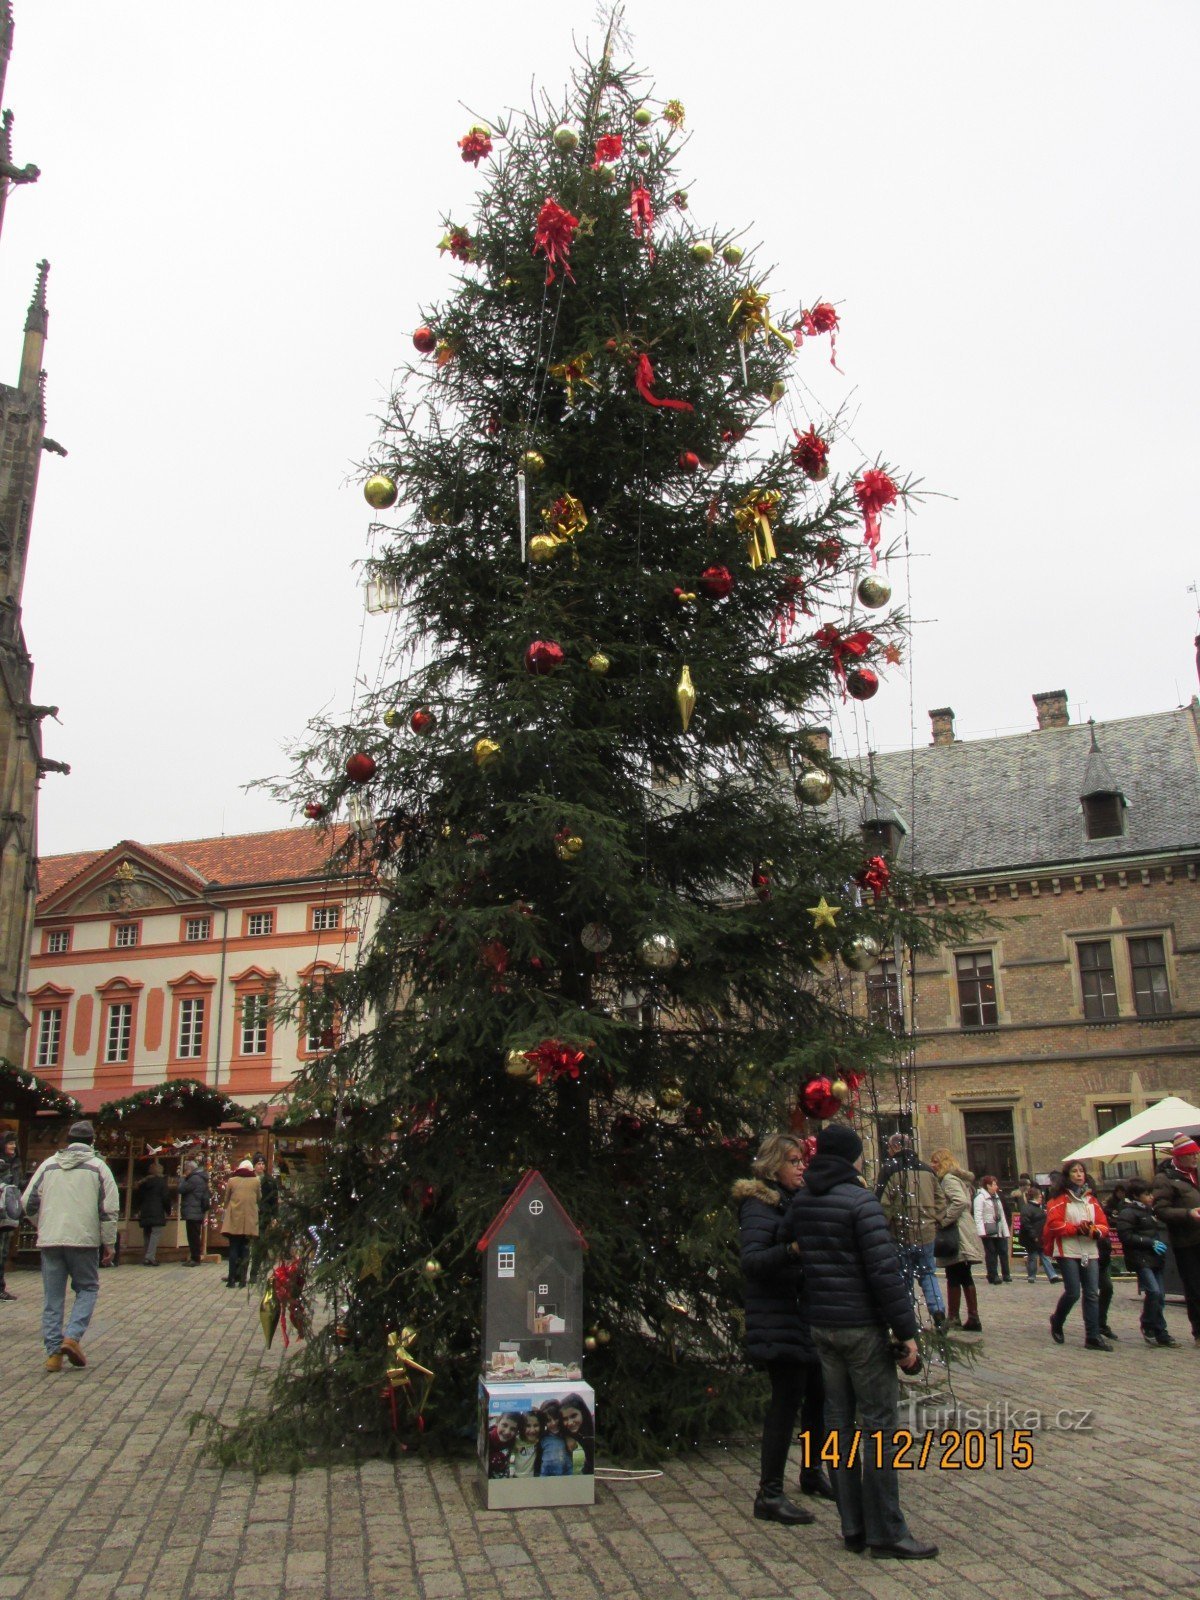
689 461
422 721
360 767
862 683
542 656
716 582
314 811
425 340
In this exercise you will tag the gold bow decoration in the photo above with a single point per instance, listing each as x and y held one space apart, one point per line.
405 1375
564 519
754 514
751 312
569 373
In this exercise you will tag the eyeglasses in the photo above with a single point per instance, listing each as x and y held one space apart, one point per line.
793 1161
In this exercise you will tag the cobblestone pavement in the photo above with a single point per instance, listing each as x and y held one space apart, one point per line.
105 1494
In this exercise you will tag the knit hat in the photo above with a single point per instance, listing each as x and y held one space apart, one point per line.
1184 1145
839 1140
246 1165
81 1133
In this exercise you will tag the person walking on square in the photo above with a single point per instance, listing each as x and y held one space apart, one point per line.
154 1202
855 1292
195 1201
1177 1204
915 1207
1143 1239
75 1199
960 1285
1033 1220
240 1221
778 1339
10 1175
1075 1223
991 1224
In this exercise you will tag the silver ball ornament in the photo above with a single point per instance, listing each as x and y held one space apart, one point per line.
861 953
658 951
874 591
814 786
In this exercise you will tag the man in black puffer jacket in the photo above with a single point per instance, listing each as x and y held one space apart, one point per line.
855 1292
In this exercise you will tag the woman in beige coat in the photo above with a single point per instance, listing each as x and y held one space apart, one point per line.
240 1221
956 1186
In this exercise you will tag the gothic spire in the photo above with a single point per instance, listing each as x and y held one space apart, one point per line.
37 317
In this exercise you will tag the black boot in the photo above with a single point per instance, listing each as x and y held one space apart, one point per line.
815 1482
772 1505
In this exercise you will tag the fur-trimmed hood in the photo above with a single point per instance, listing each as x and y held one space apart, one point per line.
758 1189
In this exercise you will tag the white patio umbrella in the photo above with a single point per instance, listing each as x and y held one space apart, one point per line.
1167 1117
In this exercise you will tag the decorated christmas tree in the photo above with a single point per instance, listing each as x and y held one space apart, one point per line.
614 897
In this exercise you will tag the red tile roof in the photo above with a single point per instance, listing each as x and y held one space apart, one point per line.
282 856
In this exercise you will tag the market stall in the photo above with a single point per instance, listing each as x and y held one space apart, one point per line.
39 1115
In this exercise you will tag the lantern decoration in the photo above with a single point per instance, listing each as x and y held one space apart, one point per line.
811 454
875 876
752 313
571 372
814 786
874 492
425 340
486 751
553 236
716 582
823 318
685 697
873 592
422 720
823 914
598 663
596 937
855 645
754 515
861 953
552 1059
862 684
360 767
791 602
566 138
542 656
475 144
380 492
818 1099
658 951
314 811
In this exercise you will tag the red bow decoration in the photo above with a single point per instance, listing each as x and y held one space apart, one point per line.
643 380
555 1060
641 209
553 236
608 148
854 645
810 453
494 955
475 145
459 243
287 1281
876 876
829 551
792 600
874 491
823 318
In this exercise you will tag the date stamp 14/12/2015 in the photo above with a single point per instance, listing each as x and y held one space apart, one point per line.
950 1450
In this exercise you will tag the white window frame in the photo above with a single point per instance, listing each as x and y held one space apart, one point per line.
253 1024
325 918
122 928
204 924
118 1032
58 941
49 1042
260 924
189 1040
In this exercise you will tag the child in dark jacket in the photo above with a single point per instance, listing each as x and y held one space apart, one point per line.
1143 1238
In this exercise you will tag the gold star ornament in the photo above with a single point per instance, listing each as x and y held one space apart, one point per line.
823 914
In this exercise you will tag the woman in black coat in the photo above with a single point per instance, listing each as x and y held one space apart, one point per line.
777 1333
154 1201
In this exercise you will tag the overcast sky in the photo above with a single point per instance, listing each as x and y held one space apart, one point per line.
241 206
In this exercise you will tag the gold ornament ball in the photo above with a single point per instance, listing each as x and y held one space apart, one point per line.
814 786
642 148
643 116
702 252
392 718
598 663
532 463
658 951
602 1336
670 1096
432 1268
861 953
566 138
732 255
543 547
380 492
567 849
873 591
486 751
518 1065
589 1342
839 1088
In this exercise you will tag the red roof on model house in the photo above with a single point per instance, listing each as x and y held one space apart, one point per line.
510 1205
284 855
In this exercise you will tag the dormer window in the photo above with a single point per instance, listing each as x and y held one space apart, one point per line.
1103 816
882 836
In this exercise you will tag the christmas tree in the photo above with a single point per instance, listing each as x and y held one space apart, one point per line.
612 898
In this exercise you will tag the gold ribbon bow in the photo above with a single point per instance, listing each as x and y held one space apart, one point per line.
402 1368
564 519
754 515
569 373
751 311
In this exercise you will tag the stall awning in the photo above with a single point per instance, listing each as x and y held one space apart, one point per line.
1167 1118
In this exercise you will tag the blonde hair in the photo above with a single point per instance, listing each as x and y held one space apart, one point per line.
944 1161
771 1152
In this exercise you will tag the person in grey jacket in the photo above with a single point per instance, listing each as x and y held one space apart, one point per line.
195 1202
74 1197
10 1173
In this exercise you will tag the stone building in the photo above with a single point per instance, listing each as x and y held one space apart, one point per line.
22 442
1078 1004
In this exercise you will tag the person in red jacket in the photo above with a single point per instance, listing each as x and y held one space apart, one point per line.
1075 1223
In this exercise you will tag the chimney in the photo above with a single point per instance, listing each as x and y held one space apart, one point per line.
943 725
817 740
1052 709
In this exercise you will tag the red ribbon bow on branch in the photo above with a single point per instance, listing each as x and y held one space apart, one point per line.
810 453
793 599
553 236
874 491
555 1060
876 876
641 209
475 145
608 148
854 645
643 380
823 318
287 1280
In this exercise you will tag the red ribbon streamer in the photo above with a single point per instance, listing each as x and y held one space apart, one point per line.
854 645
874 491
641 209
553 236
643 380
823 318
785 613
